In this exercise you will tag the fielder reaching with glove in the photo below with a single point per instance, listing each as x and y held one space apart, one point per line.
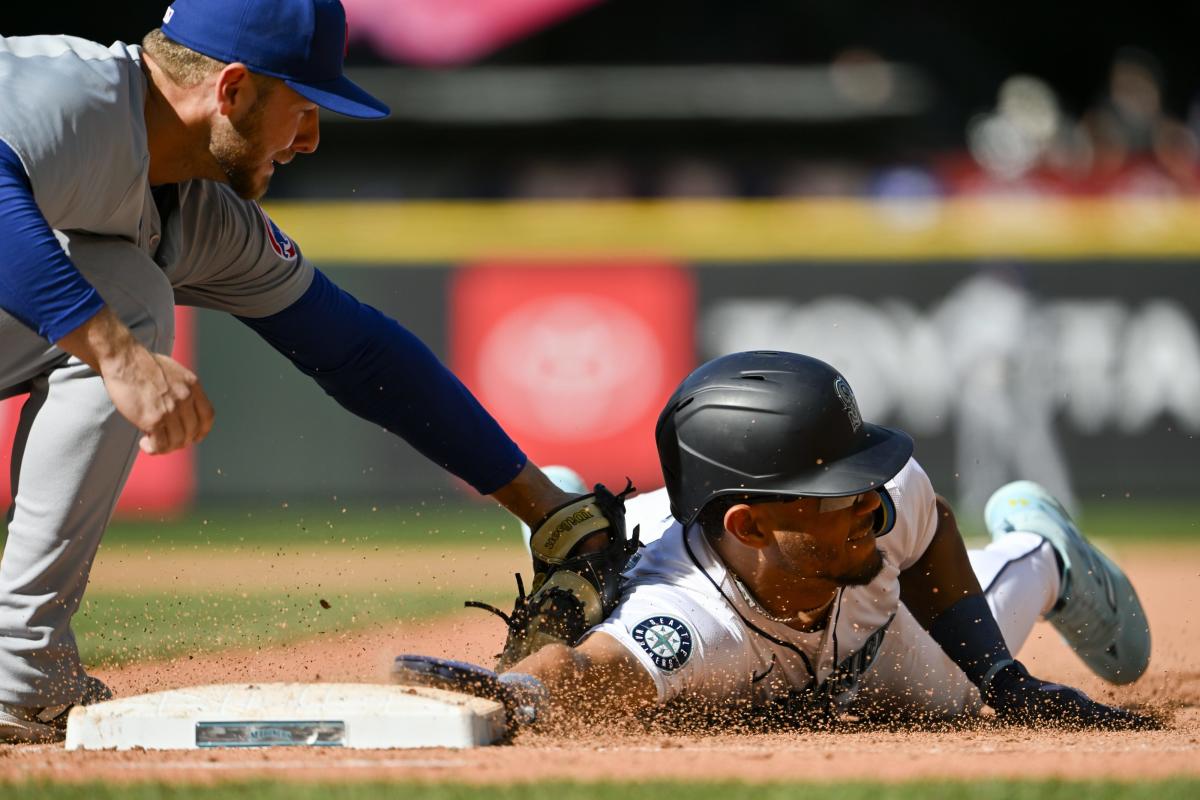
128 183
799 559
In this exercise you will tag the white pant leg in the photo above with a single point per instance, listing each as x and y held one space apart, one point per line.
71 457
1020 578
913 676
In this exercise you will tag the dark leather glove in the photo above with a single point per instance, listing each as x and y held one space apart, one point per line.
1018 697
572 591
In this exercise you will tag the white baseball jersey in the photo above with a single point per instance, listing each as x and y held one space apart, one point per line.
691 628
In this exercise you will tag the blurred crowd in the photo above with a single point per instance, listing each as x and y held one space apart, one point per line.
1125 143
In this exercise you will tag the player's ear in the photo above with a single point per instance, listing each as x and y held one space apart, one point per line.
236 90
741 525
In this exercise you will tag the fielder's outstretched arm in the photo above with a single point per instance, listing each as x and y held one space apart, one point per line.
379 370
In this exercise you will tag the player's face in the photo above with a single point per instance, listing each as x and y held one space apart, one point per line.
836 545
280 124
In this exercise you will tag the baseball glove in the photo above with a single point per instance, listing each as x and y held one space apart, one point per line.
572 590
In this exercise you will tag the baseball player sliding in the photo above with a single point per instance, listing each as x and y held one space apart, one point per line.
128 181
799 559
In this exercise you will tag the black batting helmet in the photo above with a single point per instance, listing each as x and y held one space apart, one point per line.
770 423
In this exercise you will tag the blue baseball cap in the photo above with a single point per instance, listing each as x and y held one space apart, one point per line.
302 42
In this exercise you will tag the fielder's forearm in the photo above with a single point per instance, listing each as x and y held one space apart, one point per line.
100 342
531 495
379 370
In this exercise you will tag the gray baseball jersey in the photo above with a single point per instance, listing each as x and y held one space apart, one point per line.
72 111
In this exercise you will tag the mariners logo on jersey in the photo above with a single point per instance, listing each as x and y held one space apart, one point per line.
280 243
666 640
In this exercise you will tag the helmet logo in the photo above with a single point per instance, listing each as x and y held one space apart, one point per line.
845 394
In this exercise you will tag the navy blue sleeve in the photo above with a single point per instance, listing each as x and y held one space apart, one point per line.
38 283
380 371
970 635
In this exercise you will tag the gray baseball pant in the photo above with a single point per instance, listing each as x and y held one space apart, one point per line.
71 456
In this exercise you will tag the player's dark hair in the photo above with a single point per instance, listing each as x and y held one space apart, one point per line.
711 518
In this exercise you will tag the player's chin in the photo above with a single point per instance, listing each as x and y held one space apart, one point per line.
251 184
253 191
865 572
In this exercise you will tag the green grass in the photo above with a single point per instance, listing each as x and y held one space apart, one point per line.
1129 521
1124 522
439 525
415 525
123 627
118 629
1178 789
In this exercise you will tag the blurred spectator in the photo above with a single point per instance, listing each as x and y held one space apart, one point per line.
821 179
586 179
698 178
1124 144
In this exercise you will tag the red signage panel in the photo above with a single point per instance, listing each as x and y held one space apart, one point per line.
158 484
575 359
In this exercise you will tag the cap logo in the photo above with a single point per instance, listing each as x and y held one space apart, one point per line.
170 13
845 394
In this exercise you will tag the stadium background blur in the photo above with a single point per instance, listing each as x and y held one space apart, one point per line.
983 214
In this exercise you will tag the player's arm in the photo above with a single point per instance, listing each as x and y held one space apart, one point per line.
596 680
380 371
942 575
943 594
45 291
599 678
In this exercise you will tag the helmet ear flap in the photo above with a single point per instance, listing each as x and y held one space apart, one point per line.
885 515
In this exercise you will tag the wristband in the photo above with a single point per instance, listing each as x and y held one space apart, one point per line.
968 633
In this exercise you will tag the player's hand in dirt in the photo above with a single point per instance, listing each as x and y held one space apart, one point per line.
160 396
1018 697
523 696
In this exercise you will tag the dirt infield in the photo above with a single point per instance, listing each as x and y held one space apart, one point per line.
336 568
1168 579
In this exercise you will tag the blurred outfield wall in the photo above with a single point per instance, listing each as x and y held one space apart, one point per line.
1051 339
